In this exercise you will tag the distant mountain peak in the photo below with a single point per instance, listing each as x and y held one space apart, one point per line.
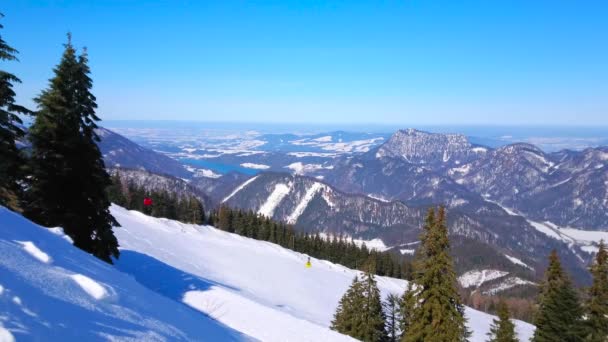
423 147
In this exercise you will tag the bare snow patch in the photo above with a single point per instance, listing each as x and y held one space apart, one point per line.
239 188
280 191
34 251
517 261
407 251
90 286
476 278
308 196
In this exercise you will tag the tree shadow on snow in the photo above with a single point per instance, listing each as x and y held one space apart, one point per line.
160 277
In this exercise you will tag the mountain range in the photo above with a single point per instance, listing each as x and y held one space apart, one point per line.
508 207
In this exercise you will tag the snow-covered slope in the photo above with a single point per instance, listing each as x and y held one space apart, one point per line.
252 286
52 291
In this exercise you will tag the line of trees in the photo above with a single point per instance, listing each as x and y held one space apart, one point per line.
62 181
187 209
337 249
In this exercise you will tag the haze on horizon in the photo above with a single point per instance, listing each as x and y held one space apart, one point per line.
396 63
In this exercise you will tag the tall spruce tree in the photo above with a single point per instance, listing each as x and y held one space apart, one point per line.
392 308
374 319
68 178
11 158
408 303
502 329
439 313
596 307
559 316
348 319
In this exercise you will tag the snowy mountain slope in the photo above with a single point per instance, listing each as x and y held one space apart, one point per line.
119 151
253 286
50 290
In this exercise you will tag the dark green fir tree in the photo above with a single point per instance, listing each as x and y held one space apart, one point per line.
374 319
502 329
439 313
559 316
596 307
348 318
392 308
68 178
408 303
11 158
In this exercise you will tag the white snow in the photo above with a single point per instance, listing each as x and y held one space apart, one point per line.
585 236
312 154
205 173
546 229
376 244
42 301
268 281
476 278
90 286
479 149
5 335
239 188
308 196
280 191
326 138
300 168
508 210
517 261
34 251
378 198
255 166
507 284
269 324
462 170
59 231
407 251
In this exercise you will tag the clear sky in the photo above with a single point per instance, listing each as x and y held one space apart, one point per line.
393 62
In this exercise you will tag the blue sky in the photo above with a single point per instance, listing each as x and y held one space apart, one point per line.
387 62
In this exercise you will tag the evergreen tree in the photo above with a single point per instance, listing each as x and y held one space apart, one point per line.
439 313
408 303
68 181
359 313
596 307
348 319
502 329
10 131
392 308
374 319
559 314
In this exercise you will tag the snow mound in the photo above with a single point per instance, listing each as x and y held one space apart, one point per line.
56 300
90 286
34 251
245 283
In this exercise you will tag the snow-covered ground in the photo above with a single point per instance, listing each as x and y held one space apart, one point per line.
252 286
167 275
52 291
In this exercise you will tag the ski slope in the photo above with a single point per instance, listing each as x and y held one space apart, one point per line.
255 287
52 291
